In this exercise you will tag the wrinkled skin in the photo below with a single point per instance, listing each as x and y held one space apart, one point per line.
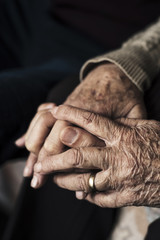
128 166
105 90
108 91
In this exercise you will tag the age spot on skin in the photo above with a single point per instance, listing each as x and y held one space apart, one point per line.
93 92
108 86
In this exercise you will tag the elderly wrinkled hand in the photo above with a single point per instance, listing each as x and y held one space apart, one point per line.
105 90
128 166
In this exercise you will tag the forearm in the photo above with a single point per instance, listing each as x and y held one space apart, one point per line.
139 57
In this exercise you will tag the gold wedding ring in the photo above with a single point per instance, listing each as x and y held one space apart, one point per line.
92 182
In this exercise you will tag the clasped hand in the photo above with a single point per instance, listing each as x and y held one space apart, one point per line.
123 152
128 166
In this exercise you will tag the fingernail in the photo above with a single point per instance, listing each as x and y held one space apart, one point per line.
69 135
27 172
38 167
34 182
80 195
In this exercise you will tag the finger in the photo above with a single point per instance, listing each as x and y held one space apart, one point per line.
20 142
28 170
38 180
81 158
113 199
73 182
46 106
36 137
52 145
80 182
41 109
97 125
80 195
77 137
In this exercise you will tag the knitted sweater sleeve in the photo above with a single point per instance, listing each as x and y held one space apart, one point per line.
139 57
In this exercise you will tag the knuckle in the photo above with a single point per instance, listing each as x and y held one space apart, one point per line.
45 106
31 147
117 202
75 158
45 121
64 109
40 107
32 159
89 117
52 145
48 166
100 202
82 183
48 146
42 155
103 159
43 117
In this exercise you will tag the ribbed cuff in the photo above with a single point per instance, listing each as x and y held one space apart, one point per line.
134 61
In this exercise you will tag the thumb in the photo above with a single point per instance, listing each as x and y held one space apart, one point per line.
77 137
96 124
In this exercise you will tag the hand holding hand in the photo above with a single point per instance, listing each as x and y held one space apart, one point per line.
128 167
105 90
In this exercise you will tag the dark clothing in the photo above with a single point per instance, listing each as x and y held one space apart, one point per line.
52 213
109 22
153 231
37 52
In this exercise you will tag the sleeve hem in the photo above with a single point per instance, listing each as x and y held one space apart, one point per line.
133 61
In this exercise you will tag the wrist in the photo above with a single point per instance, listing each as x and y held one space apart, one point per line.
110 73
